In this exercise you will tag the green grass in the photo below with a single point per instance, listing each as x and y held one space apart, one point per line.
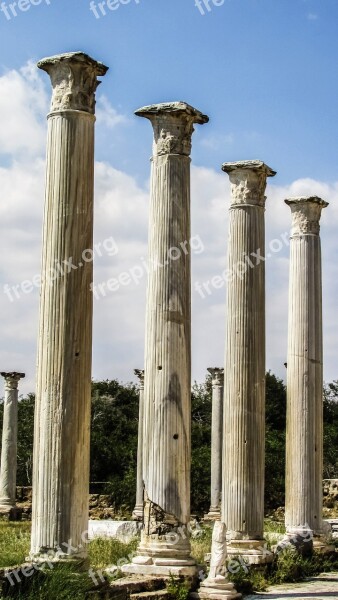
64 581
201 544
68 581
105 552
14 543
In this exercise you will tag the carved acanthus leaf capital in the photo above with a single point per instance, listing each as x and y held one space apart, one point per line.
74 80
217 376
173 124
248 181
12 380
306 212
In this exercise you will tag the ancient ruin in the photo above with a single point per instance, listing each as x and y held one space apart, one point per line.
138 510
304 432
244 382
164 548
217 381
62 415
9 445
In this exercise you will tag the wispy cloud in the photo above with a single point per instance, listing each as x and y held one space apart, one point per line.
107 115
214 142
312 17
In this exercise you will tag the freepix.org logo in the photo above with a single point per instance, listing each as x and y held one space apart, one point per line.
207 5
11 9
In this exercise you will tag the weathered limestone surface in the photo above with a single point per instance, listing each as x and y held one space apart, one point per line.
216 443
217 585
304 441
244 384
9 442
62 416
165 545
138 510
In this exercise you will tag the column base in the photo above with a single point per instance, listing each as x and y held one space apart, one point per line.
219 588
214 514
10 513
161 555
138 513
253 552
55 556
160 567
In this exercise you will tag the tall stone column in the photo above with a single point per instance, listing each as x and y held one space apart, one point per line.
138 510
244 384
165 545
216 443
9 443
304 431
62 415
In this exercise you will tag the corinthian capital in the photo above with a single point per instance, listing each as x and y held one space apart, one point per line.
306 212
74 80
248 181
12 380
217 376
173 124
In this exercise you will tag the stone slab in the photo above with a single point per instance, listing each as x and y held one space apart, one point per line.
323 587
120 530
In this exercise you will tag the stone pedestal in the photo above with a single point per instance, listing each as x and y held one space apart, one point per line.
63 396
244 384
304 432
165 545
9 446
138 510
217 585
214 513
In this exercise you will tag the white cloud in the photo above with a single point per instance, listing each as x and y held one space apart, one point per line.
121 212
214 142
23 107
107 115
312 17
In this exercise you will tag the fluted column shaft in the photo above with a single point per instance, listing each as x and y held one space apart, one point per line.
304 438
167 384
9 446
244 385
216 442
62 417
138 510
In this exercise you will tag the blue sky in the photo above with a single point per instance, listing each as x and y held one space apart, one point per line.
265 71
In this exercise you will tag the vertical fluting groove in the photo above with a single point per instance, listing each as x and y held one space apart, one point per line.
304 439
245 380
167 367
244 372
61 473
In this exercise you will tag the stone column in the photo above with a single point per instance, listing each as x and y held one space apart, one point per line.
304 431
216 443
9 443
165 545
63 396
138 510
244 384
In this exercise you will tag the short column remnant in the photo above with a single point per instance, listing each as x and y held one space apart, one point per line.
138 510
63 396
165 544
244 384
304 431
214 513
217 585
9 446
